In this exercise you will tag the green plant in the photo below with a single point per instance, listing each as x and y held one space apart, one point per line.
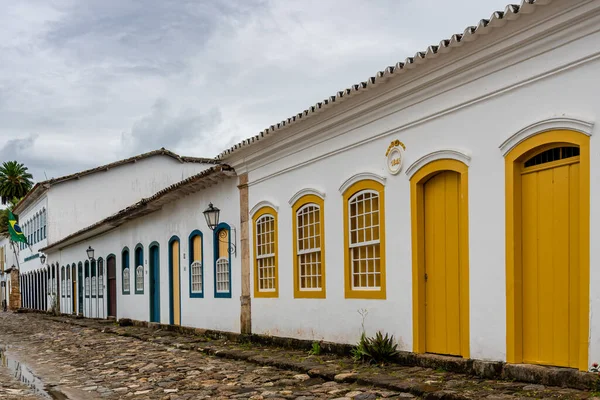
379 349
316 349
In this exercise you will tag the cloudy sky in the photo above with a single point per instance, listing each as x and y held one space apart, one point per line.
86 82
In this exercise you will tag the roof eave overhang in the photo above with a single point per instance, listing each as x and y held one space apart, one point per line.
147 206
498 19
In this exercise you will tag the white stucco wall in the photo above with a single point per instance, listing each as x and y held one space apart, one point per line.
177 219
81 202
476 117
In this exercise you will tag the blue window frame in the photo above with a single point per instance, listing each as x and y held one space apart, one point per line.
222 254
125 273
93 281
87 284
196 259
139 269
100 277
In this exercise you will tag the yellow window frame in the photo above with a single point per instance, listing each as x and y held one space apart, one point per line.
257 292
301 202
350 293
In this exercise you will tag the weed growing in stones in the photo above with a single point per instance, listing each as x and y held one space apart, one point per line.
379 349
315 350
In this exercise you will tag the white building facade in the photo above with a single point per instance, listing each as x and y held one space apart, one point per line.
59 207
447 201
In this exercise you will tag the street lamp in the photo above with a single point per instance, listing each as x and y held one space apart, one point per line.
212 220
212 216
90 253
43 258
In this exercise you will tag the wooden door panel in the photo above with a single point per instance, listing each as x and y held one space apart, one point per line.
442 263
550 232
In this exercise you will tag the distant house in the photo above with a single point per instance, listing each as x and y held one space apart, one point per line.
58 207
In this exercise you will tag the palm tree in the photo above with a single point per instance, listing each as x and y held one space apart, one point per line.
15 181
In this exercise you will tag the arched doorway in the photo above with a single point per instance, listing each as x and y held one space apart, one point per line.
440 243
547 236
111 281
154 260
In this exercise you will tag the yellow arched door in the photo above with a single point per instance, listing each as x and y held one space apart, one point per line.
441 216
550 257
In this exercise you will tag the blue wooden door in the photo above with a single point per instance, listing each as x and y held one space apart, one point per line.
154 284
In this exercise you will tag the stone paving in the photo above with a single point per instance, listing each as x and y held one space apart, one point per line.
87 359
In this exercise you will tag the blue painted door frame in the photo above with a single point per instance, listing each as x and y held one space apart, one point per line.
154 284
80 287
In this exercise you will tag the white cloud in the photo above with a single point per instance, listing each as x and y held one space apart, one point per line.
86 82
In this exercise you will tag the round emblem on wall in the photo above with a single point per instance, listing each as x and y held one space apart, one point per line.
394 157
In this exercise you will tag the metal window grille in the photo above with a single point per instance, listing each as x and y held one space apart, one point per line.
265 252
308 220
365 240
223 275
126 280
139 278
197 276
87 286
100 277
555 154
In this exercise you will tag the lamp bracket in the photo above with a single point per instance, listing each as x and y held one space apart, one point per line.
221 237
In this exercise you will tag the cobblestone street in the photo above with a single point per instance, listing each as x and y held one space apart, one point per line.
86 359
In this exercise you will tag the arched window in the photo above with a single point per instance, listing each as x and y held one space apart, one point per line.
93 283
87 278
53 280
364 240
62 281
196 264
125 267
265 253
309 247
222 241
68 281
49 276
139 269
100 277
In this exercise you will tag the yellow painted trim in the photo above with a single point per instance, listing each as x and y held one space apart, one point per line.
514 288
350 293
259 213
301 202
418 250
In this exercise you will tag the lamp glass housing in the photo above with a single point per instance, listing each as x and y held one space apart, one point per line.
90 253
212 216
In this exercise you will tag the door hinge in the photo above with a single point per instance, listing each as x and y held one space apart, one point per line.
425 276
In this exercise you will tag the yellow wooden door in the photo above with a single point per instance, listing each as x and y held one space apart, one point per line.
175 282
550 261
442 264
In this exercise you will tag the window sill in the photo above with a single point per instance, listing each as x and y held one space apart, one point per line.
365 294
